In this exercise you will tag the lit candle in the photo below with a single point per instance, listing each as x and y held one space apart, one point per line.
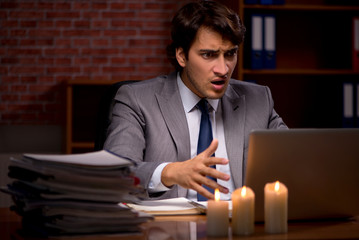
217 217
243 211
275 207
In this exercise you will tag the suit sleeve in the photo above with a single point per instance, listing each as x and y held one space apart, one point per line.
126 133
130 133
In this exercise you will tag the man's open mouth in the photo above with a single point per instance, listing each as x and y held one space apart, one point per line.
219 82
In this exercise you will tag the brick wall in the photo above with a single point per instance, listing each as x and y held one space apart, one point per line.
43 43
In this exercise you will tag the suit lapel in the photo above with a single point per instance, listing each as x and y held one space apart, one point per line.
170 104
234 111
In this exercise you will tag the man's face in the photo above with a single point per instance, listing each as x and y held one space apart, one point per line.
210 64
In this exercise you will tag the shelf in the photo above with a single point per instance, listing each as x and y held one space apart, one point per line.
83 107
300 72
313 58
307 45
83 99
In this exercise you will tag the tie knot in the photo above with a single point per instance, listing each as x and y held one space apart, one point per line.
202 105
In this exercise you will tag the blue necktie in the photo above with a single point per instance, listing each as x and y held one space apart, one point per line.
205 138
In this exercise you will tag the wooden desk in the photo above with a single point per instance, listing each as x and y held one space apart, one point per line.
194 228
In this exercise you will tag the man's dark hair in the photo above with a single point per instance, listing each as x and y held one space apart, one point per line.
209 14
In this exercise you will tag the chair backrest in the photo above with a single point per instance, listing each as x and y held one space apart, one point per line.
104 115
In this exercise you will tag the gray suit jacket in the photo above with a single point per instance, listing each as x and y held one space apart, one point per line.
149 125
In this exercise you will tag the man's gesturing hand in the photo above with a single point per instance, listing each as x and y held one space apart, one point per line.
192 173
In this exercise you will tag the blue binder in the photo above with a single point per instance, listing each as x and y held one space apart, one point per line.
269 42
257 41
348 105
266 2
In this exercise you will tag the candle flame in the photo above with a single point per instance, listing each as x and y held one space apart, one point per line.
276 186
216 194
244 191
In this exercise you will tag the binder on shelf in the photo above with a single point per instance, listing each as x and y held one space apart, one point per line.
348 105
266 2
269 42
355 51
257 41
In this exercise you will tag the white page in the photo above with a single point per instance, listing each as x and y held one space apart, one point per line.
101 158
171 204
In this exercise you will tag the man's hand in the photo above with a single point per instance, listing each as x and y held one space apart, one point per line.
192 173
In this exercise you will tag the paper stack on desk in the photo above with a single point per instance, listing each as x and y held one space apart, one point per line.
75 194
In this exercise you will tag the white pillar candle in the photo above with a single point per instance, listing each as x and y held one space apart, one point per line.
217 217
243 211
276 208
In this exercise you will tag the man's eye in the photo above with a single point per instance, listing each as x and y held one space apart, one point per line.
231 53
208 55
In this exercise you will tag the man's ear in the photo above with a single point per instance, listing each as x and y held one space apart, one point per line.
180 56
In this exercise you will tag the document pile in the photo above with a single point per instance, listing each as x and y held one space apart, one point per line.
75 194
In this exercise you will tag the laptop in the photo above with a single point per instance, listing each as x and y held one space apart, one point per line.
320 168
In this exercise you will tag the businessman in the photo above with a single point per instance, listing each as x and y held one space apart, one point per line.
160 124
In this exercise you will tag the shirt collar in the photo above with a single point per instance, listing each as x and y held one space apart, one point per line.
189 99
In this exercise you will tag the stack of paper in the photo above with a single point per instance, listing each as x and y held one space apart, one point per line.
75 194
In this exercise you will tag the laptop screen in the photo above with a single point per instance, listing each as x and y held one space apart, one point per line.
320 168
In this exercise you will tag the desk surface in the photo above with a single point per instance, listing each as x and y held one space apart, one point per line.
194 228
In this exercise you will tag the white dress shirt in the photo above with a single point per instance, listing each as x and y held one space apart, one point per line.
193 115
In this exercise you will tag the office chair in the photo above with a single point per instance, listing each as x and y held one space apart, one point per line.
104 115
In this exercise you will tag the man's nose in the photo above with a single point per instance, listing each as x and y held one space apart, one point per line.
221 66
